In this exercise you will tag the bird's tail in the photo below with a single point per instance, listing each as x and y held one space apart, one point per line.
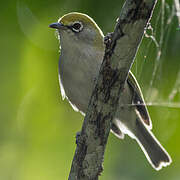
154 152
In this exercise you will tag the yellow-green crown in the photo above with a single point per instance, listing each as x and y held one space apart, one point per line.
69 18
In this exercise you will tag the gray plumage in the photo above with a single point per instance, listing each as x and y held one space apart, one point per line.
80 60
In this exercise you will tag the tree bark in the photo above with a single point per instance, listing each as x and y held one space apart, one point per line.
121 48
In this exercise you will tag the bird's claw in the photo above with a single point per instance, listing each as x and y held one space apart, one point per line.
78 135
107 38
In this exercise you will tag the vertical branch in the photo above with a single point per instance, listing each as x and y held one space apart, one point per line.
121 48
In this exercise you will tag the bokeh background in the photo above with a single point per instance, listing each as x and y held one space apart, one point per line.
38 128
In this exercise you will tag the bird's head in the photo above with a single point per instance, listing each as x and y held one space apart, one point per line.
78 28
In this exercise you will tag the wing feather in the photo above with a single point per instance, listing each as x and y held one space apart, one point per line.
138 99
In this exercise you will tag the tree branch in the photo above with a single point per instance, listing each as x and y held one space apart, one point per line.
121 48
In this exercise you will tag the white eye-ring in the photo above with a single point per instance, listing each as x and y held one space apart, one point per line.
77 26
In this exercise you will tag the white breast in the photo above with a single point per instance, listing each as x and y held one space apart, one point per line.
78 69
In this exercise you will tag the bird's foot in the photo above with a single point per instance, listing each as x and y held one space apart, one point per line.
78 135
108 38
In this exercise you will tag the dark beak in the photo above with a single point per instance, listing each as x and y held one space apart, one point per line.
57 25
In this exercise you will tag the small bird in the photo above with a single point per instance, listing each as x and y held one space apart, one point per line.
81 53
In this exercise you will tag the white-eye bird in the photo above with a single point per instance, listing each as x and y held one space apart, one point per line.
82 51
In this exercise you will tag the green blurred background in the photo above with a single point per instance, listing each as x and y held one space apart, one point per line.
37 132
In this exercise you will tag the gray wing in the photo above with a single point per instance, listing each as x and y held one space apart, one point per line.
138 100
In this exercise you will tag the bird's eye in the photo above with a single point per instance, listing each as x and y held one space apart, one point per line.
77 26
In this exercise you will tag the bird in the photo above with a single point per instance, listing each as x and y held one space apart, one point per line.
82 50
